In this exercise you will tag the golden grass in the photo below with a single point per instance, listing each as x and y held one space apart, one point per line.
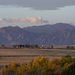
26 55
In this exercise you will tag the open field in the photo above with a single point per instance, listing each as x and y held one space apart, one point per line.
26 55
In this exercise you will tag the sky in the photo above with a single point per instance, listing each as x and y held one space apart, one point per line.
24 13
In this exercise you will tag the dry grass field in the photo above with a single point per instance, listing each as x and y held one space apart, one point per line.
26 55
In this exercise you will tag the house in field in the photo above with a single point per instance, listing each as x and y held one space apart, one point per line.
21 46
42 47
26 46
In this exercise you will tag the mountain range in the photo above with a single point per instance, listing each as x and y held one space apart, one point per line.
48 28
56 34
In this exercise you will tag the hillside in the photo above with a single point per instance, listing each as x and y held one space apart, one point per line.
58 37
48 28
15 35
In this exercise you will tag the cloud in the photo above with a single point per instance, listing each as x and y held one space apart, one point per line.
27 19
7 20
15 18
0 19
32 20
39 4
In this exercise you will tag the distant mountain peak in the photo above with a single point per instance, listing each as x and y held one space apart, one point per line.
13 27
49 28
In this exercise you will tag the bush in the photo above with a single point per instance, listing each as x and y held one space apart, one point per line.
14 46
73 59
72 47
48 47
2 45
70 70
67 56
42 66
68 47
51 46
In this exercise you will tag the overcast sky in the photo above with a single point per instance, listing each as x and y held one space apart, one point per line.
25 13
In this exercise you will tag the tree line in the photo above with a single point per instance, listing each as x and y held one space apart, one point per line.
26 46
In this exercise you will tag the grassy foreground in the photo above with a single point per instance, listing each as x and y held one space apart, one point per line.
42 66
8 56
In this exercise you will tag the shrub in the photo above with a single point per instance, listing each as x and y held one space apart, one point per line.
68 47
72 47
2 45
69 71
51 46
48 47
14 46
42 66
67 56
